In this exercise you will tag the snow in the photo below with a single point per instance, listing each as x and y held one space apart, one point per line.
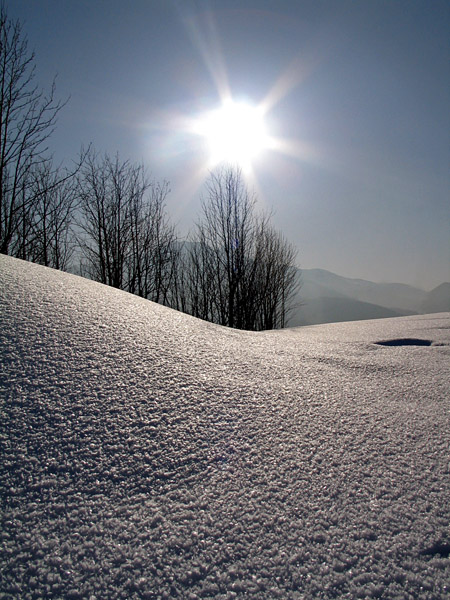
147 454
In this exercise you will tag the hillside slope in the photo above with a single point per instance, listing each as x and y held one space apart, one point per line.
336 310
389 295
438 299
147 454
325 297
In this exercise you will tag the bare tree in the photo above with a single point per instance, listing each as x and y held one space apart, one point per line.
274 280
240 270
51 238
105 189
224 239
125 236
27 119
153 249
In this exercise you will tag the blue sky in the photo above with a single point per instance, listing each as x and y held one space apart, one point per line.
359 89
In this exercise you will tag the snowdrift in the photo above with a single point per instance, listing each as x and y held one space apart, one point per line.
147 454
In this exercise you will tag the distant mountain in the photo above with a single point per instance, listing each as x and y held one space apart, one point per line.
325 297
390 295
334 310
438 300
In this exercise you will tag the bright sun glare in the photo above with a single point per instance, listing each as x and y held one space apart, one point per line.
235 133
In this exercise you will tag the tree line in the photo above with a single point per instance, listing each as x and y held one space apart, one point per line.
106 220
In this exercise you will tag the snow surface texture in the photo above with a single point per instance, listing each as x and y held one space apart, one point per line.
147 454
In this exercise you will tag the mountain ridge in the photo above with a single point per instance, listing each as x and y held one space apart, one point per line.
326 297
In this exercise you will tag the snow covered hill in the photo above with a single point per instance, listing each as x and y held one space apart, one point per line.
147 454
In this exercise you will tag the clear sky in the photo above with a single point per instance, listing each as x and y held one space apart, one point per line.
355 93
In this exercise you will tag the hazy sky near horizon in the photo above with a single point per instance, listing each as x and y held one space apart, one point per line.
357 92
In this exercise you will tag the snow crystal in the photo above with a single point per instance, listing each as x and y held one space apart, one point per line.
147 454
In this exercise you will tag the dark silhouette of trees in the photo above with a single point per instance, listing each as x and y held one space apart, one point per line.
153 246
27 119
51 241
105 190
125 237
238 270
274 281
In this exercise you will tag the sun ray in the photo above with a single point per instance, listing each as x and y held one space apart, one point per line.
206 39
296 149
294 74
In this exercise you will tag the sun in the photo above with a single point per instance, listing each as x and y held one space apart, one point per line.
235 133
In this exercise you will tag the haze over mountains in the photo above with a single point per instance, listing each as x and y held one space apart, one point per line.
325 297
